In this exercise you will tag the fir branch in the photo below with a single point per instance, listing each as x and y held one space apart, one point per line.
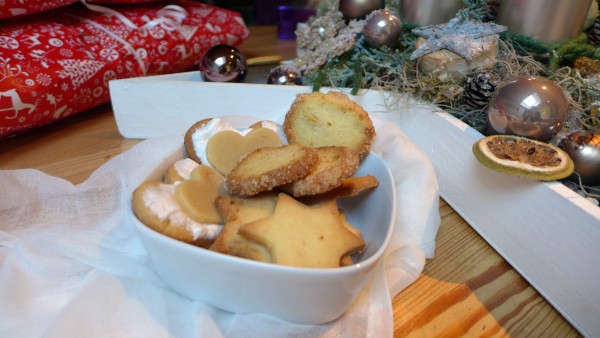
358 76
524 44
568 51
474 10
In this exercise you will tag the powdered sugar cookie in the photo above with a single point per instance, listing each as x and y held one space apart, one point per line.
180 170
274 126
197 136
196 196
154 203
225 148
217 143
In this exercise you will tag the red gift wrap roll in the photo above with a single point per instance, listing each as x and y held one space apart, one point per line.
58 63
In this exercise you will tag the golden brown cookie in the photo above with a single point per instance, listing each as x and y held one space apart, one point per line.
266 168
348 225
332 119
335 164
350 187
304 236
226 147
347 259
155 205
237 211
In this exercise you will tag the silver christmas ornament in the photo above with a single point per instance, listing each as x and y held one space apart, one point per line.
529 106
382 28
358 9
223 63
583 148
284 75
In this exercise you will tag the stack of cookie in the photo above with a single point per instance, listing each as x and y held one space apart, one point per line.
268 193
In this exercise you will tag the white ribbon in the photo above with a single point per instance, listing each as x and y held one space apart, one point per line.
169 18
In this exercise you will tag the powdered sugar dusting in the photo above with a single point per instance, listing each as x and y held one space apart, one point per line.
161 201
185 167
202 135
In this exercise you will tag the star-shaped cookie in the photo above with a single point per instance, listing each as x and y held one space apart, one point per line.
236 212
457 35
305 236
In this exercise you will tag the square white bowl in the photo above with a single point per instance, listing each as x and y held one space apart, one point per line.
298 295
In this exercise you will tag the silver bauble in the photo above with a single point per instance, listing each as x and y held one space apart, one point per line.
223 63
358 9
529 106
583 147
382 28
284 75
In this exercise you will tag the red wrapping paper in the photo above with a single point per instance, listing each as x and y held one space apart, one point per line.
121 1
59 63
14 8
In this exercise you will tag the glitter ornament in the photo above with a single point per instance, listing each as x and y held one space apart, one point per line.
529 106
358 9
323 39
583 147
382 28
223 63
284 75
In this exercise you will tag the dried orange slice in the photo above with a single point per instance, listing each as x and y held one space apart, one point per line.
521 156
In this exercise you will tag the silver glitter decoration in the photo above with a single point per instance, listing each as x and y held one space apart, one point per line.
324 38
457 35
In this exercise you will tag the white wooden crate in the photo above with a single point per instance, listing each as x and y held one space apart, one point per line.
547 232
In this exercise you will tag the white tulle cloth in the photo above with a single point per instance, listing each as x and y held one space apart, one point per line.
71 264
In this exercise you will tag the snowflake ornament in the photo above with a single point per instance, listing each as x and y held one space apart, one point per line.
457 35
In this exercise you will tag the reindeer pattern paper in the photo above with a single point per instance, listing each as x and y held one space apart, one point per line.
58 63
14 8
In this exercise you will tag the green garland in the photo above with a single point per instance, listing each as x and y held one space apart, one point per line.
391 69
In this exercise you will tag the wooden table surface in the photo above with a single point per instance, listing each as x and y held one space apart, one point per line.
467 289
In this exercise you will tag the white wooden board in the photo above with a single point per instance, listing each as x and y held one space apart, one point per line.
547 232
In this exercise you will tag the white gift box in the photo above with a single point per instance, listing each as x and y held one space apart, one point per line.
547 232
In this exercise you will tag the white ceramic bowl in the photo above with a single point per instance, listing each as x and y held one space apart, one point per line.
298 295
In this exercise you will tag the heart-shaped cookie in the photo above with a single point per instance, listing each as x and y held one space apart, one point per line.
197 195
226 147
